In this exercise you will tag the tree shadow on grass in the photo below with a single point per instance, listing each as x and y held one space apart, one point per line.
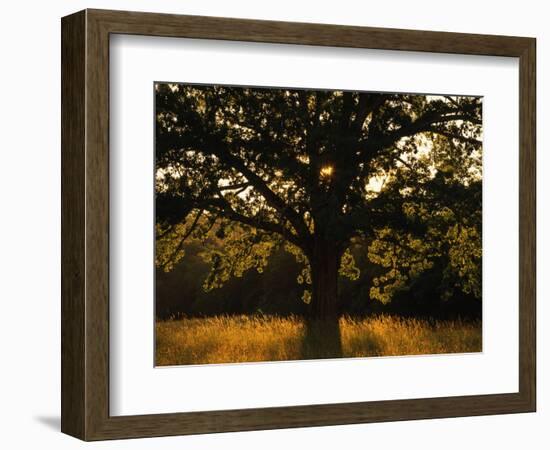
321 339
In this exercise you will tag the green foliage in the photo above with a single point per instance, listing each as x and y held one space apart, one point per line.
304 278
249 171
465 258
169 247
404 255
306 297
348 268
440 220
242 250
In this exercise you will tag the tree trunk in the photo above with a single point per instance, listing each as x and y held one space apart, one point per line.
324 263
322 331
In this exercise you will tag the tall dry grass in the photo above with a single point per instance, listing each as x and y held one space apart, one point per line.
229 339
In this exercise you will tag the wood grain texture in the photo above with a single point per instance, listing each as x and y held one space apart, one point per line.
85 224
527 224
73 112
97 226
151 24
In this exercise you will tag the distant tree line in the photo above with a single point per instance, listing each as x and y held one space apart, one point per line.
276 291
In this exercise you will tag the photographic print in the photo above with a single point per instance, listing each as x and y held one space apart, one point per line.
296 224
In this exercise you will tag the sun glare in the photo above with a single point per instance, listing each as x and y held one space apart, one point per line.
327 171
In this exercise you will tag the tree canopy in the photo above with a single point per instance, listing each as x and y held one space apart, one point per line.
317 172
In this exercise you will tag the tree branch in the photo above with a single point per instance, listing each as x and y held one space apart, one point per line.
260 185
234 187
423 124
366 108
466 140
222 207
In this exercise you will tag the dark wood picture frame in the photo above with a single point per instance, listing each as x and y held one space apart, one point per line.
85 224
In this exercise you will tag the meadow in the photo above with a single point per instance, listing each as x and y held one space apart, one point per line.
246 338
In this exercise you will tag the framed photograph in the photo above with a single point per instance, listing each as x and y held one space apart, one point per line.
273 225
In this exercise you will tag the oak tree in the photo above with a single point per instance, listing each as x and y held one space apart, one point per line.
314 171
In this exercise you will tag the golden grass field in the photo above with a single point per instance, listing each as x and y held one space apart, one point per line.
230 339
